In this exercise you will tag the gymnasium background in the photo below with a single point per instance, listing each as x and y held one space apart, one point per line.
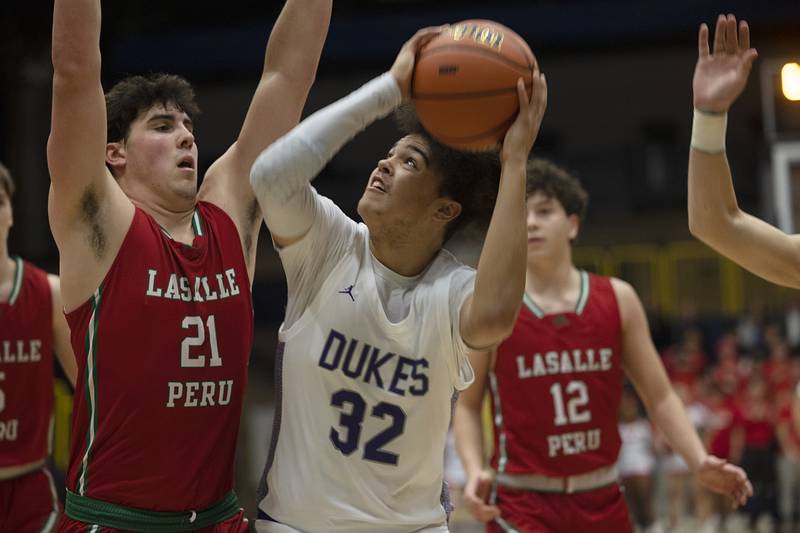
619 117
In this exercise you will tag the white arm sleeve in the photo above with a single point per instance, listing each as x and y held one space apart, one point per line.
287 166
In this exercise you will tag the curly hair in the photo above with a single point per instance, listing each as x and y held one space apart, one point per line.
554 182
131 96
6 181
469 178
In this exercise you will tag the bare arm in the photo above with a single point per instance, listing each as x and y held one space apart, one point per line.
61 333
89 214
468 429
714 214
290 66
645 370
488 315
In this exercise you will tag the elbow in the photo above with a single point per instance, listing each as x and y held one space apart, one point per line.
73 62
498 325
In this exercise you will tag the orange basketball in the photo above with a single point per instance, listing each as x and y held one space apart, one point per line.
465 83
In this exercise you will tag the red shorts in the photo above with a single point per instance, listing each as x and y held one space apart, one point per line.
28 503
235 524
598 511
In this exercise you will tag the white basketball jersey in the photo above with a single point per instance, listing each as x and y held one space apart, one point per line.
364 403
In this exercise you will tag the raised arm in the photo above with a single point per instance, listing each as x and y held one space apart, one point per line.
488 315
290 66
645 370
281 175
714 214
89 214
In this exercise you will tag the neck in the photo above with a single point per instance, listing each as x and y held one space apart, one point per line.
177 223
404 254
7 265
551 275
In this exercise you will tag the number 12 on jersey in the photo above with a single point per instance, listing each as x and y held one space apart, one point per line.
578 398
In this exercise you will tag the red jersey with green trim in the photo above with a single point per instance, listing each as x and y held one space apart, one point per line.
162 349
26 368
556 387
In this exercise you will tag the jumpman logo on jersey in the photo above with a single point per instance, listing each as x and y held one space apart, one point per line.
348 291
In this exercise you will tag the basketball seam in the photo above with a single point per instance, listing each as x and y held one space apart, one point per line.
481 51
461 96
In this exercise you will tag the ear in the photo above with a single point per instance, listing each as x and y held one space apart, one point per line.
446 210
574 226
116 157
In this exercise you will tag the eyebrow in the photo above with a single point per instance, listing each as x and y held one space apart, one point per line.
421 153
171 118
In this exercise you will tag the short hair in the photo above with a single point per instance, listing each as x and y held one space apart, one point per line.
554 182
131 96
6 181
469 178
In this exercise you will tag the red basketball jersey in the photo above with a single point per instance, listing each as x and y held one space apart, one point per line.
162 349
26 368
556 387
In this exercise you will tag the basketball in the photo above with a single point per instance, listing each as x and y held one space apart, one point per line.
465 83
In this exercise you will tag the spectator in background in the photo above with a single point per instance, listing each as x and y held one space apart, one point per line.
682 488
788 464
792 322
685 362
757 422
636 460
750 329
720 437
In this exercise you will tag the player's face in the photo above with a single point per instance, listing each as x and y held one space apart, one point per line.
550 229
6 215
403 191
161 151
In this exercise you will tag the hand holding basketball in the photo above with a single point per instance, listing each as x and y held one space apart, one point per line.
403 67
465 83
522 133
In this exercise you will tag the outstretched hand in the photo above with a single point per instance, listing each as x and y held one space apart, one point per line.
523 131
403 67
720 77
476 494
724 478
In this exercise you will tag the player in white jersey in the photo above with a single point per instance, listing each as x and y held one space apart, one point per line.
379 317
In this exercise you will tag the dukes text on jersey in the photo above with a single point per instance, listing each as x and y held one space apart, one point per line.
386 370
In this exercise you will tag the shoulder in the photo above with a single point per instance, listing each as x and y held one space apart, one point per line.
622 289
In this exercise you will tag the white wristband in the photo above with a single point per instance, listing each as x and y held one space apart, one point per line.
708 131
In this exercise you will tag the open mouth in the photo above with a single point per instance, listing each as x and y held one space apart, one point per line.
187 163
377 184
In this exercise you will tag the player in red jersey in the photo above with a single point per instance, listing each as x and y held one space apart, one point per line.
156 275
32 327
556 385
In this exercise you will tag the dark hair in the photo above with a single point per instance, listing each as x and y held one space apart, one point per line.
554 182
135 94
469 178
6 181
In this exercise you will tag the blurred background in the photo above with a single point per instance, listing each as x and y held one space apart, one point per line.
619 117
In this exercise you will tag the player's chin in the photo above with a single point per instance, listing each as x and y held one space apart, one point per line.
371 205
